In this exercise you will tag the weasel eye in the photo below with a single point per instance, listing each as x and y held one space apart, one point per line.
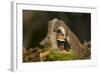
58 31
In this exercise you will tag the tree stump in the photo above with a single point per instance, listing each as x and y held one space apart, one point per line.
50 40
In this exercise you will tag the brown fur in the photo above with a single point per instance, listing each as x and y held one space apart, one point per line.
70 36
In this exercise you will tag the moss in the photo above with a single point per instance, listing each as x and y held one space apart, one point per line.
56 55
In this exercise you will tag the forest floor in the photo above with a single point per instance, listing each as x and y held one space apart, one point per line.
48 54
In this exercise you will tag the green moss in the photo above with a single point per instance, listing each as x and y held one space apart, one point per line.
56 55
